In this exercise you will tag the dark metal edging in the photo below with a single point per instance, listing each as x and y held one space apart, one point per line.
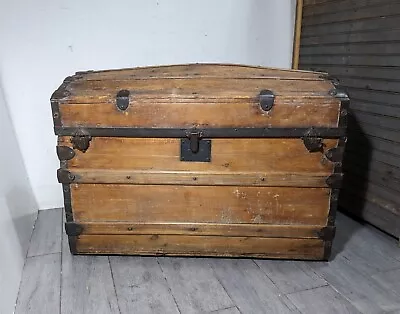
66 187
67 202
72 244
60 93
64 152
336 155
327 250
206 132
73 229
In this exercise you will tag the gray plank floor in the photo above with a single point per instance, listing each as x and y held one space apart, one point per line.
362 277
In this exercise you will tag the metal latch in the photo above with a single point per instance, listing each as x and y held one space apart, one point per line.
194 148
122 100
194 138
266 99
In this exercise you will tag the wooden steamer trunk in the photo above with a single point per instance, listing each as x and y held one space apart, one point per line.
200 159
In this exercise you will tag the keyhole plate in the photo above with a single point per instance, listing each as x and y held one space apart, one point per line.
203 154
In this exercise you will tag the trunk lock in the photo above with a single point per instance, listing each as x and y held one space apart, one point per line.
194 148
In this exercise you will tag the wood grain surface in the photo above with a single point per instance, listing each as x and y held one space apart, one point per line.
288 111
200 178
197 95
208 87
256 156
198 70
201 245
244 230
219 204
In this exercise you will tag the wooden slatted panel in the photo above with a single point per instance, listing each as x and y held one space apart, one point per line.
202 204
269 156
201 245
358 42
193 96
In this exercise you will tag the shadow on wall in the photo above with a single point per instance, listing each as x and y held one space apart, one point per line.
356 166
15 189
22 208
356 161
18 210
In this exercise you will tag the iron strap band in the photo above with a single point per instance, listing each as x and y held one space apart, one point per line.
206 132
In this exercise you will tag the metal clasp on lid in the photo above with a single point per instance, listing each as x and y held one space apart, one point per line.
267 99
194 138
122 99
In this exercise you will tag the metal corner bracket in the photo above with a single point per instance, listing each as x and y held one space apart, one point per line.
73 228
65 152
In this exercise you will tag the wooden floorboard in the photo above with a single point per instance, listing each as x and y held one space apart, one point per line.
194 285
86 284
362 277
46 236
322 300
250 288
351 235
40 285
290 276
231 310
390 280
141 286
366 294
356 247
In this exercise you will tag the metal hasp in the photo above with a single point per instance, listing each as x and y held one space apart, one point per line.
122 99
194 138
312 142
266 99
194 148
81 140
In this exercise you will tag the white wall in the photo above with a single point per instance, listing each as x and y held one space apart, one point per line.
17 211
44 41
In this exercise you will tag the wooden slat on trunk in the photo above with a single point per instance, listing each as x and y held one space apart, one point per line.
219 204
201 245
